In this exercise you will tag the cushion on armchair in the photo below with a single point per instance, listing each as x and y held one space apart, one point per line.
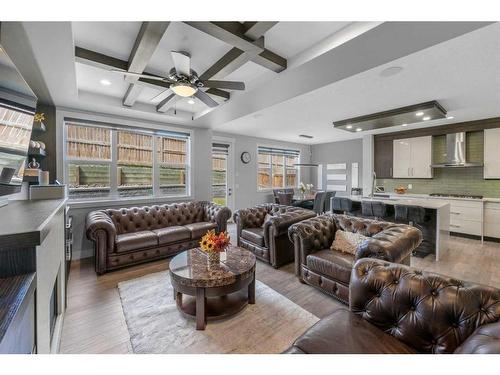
347 242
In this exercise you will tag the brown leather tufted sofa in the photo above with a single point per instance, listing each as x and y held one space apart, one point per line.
395 309
127 236
268 240
330 271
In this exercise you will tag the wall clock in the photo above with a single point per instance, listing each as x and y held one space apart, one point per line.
245 157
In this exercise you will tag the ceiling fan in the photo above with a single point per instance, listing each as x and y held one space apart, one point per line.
185 82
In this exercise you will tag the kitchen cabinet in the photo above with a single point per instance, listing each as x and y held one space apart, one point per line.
383 158
491 219
412 157
491 153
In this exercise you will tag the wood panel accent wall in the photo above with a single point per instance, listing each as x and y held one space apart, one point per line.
383 143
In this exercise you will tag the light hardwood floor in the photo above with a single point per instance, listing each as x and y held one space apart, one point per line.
94 321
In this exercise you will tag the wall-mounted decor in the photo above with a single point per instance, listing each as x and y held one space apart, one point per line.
245 157
354 175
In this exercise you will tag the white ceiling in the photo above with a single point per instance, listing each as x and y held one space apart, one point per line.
463 74
335 77
116 39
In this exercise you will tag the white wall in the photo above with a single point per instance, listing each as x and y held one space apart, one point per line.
339 152
245 176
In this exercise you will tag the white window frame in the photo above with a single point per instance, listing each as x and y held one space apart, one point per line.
113 162
267 189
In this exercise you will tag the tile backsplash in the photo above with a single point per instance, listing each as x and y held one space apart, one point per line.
451 180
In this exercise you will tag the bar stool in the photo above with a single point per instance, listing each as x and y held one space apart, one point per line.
328 200
416 217
373 209
342 205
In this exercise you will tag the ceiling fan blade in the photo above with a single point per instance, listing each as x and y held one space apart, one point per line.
206 99
139 75
182 63
161 94
229 85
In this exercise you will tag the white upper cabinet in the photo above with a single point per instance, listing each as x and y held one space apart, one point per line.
492 153
412 157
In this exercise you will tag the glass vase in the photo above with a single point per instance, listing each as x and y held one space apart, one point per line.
213 258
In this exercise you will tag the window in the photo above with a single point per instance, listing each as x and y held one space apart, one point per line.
276 168
220 153
105 162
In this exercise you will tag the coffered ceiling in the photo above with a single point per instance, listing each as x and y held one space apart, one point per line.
301 78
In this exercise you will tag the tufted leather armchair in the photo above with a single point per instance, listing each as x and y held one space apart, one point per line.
134 235
268 239
330 271
399 309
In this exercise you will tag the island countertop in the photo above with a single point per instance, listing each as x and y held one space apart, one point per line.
24 221
433 204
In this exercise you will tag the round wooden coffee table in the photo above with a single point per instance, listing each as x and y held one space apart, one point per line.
213 292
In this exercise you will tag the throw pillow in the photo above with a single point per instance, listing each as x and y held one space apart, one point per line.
347 242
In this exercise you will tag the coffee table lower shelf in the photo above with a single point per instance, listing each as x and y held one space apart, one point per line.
213 303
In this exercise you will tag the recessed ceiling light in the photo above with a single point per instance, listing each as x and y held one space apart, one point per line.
404 124
348 127
191 100
358 129
419 113
426 118
105 82
391 71
450 118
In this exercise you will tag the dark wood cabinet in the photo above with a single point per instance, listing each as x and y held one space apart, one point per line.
383 150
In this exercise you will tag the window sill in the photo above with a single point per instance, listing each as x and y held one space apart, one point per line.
110 202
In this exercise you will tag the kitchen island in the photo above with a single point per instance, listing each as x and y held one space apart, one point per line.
436 226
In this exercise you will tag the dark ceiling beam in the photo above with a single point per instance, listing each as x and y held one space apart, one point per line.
247 40
165 104
101 61
255 30
236 58
145 45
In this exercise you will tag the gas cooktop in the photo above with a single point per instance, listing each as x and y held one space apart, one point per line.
468 196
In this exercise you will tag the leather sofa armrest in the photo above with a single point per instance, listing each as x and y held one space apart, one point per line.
310 235
282 221
484 340
217 214
294 350
99 221
393 244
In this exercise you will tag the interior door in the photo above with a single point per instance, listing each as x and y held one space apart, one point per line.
401 158
421 157
222 174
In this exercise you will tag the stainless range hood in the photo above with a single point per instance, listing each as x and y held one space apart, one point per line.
456 152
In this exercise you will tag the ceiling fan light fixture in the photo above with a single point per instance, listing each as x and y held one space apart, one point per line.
183 89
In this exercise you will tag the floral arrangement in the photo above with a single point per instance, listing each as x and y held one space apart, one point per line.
305 187
39 117
214 243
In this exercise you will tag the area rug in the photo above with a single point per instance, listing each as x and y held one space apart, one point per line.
156 326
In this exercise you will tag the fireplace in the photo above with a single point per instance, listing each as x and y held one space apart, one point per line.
53 308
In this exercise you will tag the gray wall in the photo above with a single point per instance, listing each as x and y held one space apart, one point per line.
338 152
245 176
245 181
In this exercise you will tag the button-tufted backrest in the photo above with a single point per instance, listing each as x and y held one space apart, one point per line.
366 227
135 219
430 312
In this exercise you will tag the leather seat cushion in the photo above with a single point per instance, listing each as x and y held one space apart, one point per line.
199 229
136 240
254 235
172 234
344 332
334 264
